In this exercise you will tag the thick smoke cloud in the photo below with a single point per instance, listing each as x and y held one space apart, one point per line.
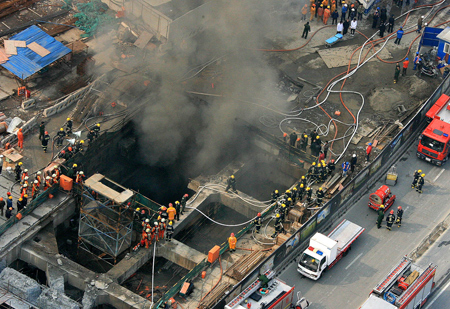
173 120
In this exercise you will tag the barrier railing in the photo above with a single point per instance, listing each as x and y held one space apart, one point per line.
344 199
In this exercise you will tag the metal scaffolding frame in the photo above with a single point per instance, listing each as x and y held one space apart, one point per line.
106 227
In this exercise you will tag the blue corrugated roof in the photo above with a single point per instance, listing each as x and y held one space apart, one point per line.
27 62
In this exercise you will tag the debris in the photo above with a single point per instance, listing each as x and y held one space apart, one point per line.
143 40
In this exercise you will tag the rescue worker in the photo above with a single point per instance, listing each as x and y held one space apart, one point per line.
9 202
19 204
145 241
257 222
178 209
80 177
326 15
183 202
55 179
303 180
75 168
156 231
320 12
304 11
380 215
69 124
90 136
288 194
44 142
353 161
35 189
279 228
399 216
419 183
390 220
8 213
319 196
331 166
18 170
20 138
397 73
405 66
163 212
146 224
323 172
169 231
78 146
69 153
232 242
304 142
400 33
162 228
368 151
152 234
25 201
57 171
96 130
48 183
294 195
283 212
41 130
24 190
306 30
313 11
171 212
416 176
39 178
312 171
60 137
2 205
345 168
286 212
308 195
285 137
292 138
301 192
24 174
231 183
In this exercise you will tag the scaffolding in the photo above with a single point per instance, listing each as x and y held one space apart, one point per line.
106 221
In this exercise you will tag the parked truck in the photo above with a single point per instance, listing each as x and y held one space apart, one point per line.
434 142
325 251
406 286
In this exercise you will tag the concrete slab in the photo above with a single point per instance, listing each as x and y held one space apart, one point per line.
20 285
340 56
53 299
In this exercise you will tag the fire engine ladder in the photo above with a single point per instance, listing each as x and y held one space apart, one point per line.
416 285
381 288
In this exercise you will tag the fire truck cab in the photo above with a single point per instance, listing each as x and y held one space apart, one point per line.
434 142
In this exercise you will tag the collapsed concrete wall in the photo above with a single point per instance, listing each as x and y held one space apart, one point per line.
20 285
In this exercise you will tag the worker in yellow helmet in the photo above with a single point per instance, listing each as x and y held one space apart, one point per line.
419 183
416 175
231 183
69 125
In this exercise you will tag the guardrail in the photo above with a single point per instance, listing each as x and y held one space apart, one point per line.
343 200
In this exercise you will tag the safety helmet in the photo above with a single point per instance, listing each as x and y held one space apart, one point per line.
305 136
46 132
186 195
321 5
276 191
10 197
232 235
317 137
81 173
98 125
370 144
328 7
137 209
308 188
176 203
54 175
288 191
406 59
232 176
1 198
399 207
392 212
25 196
74 165
423 175
295 188
147 220
283 205
381 206
354 155
314 163
419 171
332 161
38 173
170 223
25 185
277 215
25 170
303 177
284 134
319 165
301 186
163 220
159 218
170 205
8 193
20 199
164 208
61 129
289 199
26 178
259 214
82 142
70 148
320 189
48 177
147 230
68 118
155 223
423 16
20 163
35 181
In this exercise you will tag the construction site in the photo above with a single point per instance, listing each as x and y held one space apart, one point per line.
184 95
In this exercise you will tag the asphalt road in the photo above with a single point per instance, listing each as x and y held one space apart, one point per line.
374 253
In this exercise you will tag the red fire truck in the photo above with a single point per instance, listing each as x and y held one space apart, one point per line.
406 286
434 143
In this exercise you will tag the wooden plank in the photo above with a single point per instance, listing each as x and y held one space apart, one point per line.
10 47
143 40
13 155
19 43
38 49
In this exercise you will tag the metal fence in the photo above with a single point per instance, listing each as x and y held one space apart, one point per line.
343 200
41 198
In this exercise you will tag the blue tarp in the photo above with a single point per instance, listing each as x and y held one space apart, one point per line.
27 62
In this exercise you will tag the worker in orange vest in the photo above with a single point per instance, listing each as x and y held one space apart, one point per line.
24 174
325 3
232 242
48 182
57 172
326 15
24 190
35 189
171 212
304 11
38 178
162 228
333 6
313 12
152 235
156 229
20 138
405 66
145 238
80 177
320 12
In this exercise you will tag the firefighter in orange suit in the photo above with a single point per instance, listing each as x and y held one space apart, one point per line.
162 228
232 242
171 212
145 239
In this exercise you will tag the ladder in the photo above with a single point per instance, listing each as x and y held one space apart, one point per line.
393 275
